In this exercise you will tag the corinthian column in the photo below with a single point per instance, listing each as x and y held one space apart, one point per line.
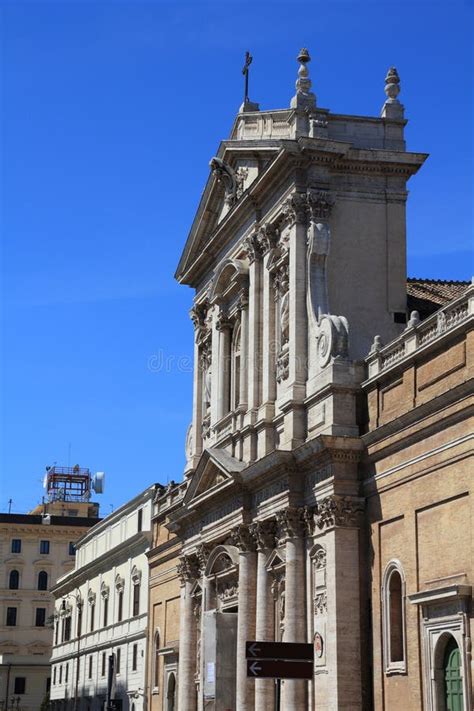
264 533
241 537
187 571
291 525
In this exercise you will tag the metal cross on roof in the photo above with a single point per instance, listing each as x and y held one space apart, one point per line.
245 72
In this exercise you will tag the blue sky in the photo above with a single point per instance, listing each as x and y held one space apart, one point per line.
111 112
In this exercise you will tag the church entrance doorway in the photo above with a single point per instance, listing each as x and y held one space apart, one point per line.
452 677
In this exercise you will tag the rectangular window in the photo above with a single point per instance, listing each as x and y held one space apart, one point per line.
136 600
56 632
90 667
103 663
92 609
60 673
140 519
66 674
11 616
117 661
134 657
48 684
67 629
54 676
106 610
79 620
16 545
120 606
40 620
72 548
20 685
44 547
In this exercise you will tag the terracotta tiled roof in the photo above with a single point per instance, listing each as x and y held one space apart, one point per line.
428 295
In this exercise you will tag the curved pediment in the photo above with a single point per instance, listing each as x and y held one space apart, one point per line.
229 278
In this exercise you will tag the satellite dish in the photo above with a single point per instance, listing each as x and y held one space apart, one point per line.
98 482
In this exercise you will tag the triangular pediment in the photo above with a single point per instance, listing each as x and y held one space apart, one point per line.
219 203
215 468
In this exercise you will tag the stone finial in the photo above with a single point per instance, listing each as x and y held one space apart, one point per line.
414 319
392 84
392 107
304 98
376 345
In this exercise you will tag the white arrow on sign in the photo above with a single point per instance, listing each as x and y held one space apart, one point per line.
253 649
255 668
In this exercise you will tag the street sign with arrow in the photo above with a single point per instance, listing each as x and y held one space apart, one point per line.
279 660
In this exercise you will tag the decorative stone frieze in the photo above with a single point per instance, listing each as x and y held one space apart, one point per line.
320 603
281 280
338 511
228 178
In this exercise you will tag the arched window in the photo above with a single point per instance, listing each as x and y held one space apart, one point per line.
171 693
156 661
14 580
393 610
42 580
136 580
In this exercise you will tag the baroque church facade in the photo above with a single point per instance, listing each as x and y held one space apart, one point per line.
296 520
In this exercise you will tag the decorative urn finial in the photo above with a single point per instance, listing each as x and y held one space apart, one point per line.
392 107
304 98
392 84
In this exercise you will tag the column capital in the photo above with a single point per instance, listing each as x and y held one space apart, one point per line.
188 569
290 523
338 510
241 537
295 209
320 204
267 237
243 299
222 321
203 552
253 246
198 313
264 533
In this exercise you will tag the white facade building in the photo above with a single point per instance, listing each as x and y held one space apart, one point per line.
101 616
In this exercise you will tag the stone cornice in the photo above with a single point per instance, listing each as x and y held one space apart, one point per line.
139 543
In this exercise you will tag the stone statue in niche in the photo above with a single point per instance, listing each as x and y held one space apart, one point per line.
332 332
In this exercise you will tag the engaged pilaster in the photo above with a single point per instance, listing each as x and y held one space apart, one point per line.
188 572
242 538
291 532
264 535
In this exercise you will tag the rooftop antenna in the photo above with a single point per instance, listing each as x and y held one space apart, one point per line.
10 501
